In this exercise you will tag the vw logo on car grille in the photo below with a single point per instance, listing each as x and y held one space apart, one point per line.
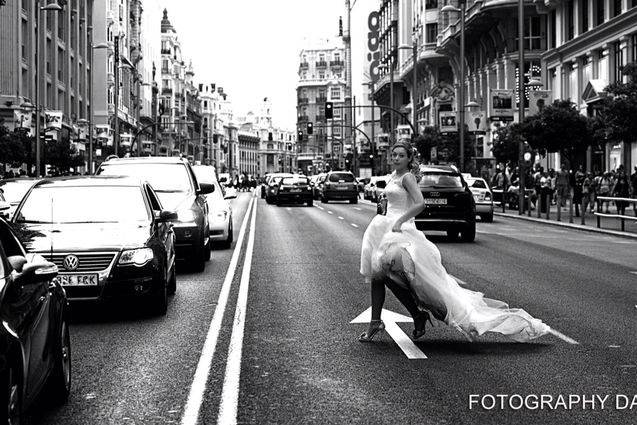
71 262
434 193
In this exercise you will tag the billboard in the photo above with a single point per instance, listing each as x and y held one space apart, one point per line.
447 120
373 42
53 119
501 103
538 99
476 121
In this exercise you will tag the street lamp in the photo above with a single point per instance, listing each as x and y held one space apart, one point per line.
98 46
473 104
463 8
414 86
53 7
390 68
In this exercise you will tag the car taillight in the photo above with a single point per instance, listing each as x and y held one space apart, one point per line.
487 195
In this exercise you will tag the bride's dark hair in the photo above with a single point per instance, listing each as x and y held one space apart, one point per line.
412 154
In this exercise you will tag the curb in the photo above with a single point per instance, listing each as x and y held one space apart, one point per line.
570 225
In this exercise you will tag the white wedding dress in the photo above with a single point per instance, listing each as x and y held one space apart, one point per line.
412 261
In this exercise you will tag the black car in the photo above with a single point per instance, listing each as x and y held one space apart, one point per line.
449 203
272 186
108 235
295 189
178 189
339 185
35 346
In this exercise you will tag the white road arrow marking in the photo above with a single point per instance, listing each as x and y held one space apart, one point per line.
400 338
633 272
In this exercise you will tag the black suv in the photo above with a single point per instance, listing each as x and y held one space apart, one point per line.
294 189
339 185
175 183
449 203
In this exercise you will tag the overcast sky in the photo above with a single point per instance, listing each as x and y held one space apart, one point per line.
251 47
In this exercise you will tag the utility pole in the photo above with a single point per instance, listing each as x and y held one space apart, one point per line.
116 97
521 103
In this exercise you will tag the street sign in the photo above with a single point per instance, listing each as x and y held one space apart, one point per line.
501 104
448 121
391 321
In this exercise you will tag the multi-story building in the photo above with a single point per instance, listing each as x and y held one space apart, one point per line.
589 41
322 79
65 68
248 160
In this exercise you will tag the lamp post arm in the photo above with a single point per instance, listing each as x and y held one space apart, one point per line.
413 129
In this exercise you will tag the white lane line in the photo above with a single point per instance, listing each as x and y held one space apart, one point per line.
330 212
404 342
354 225
340 218
288 208
195 397
320 208
230 393
357 209
635 272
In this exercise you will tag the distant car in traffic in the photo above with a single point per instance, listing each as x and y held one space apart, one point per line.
109 236
294 189
272 186
219 208
176 185
375 187
482 196
13 190
449 203
339 185
35 344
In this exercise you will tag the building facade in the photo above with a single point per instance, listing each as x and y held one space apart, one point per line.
322 79
65 68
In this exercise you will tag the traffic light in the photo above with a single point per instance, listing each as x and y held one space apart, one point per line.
300 136
329 110
310 128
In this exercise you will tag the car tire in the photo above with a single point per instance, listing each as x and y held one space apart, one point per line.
452 234
12 396
198 262
469 233
268 200
59 385
159 300
324 200
228 242
172 281
353 201
208 249
487 218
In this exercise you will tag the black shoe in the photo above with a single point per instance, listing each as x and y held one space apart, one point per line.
420 323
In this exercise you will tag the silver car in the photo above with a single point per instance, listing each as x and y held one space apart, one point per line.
220 209
483 197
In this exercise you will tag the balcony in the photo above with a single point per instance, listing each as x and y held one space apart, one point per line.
304 65
320 118
166 91
303 100
321 64
321 99
337 64
303 118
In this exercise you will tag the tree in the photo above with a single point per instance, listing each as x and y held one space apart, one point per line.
618 110
429 138
506 140
63 155
559 128
447 146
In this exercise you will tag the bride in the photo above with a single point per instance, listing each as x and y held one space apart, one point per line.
397 255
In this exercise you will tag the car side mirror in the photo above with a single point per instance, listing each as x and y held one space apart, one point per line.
38 270
17 262
4 208
381 184
166 215
206 188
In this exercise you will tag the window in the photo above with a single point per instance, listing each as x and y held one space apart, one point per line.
570 20
338 74
533 34
337 57
336 131
25 40
599 10
336 113
619 62
431 4
584 16
617 7
321 75
431 33
335 93
553 23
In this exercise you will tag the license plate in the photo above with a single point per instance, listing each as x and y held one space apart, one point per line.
478 197
295 190
435 201
77 279
342 187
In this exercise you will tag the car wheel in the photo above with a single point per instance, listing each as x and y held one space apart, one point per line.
353 201
487 218
228 242
452 234
208 249
60 380
310 202
12 412
198 262
172 280
324 200
469 233
268 200
159 300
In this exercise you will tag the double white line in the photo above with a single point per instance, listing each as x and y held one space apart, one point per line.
230 392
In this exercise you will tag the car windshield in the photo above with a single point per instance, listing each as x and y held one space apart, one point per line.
440 180
295 181
15 190
162 177
346 177
479 184
83 204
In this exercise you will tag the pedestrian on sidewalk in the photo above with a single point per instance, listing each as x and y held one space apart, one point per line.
603 189
395 253
577 189
633 188
621 190
588 193
562 186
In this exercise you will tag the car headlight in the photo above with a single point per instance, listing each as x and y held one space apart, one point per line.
139 256
186 215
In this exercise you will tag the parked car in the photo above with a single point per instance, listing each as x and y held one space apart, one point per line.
449 203
295 189
176 185
35 345
13 190
339 185
482 196
219 208
108 235
375 187
272 186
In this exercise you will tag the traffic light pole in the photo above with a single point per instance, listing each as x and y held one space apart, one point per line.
405 116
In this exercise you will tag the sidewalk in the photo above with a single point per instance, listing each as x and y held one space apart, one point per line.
608 225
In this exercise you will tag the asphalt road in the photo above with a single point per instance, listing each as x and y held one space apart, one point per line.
291 355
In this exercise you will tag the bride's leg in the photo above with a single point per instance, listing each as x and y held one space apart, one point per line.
404 296
378 296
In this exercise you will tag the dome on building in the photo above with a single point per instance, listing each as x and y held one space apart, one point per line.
165 23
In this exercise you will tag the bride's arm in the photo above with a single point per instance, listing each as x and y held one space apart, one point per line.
411 186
